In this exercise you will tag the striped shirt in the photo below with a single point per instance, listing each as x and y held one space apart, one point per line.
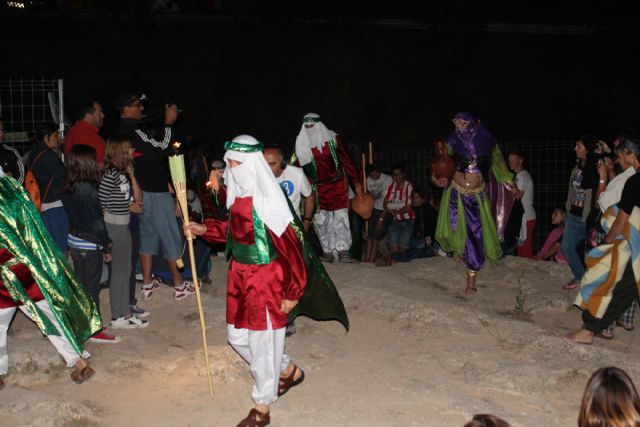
397 198
78 243
114 192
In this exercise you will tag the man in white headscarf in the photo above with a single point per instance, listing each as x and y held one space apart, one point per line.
327 164
267 274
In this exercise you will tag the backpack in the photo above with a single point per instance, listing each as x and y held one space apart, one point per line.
32 187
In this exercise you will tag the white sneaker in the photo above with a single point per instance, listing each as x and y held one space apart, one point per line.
186 290
130 322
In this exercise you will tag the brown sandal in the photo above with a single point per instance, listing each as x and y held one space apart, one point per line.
80 375
286 383
255 419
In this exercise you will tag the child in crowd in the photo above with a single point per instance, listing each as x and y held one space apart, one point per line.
424 229
610 399
115 198
88 240
552 246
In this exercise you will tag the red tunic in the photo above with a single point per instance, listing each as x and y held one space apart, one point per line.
253 289
24 275
332 188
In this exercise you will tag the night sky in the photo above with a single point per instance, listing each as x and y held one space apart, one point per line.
374 70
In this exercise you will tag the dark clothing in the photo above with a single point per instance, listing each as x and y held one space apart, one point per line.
47 169
584 179
11 162
87 265
424 226
152 170
85 215
425 221
630 194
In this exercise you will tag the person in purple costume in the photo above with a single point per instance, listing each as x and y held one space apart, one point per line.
476 202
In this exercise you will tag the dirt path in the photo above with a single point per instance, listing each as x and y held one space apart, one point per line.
419 353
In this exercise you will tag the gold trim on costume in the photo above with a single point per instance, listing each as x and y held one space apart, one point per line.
468 191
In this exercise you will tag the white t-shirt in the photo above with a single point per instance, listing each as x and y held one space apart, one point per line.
525 184
378 188
294 183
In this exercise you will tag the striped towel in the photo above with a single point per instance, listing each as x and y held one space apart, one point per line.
607 262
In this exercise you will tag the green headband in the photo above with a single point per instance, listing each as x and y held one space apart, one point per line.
243 148
311 120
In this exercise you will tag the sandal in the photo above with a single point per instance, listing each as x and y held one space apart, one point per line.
1 383
80 375
625 326
287 382
255 419
471 282
604 335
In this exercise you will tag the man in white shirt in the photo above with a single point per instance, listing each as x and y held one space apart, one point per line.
524 182
296 186
294 183
377 185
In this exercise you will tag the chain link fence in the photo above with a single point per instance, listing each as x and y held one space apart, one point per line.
26 104
548 162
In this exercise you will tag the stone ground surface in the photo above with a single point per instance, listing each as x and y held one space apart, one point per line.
419 353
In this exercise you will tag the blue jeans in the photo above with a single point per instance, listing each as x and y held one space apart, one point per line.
56 222
573 240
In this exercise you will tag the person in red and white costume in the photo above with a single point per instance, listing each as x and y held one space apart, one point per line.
327 164
267 275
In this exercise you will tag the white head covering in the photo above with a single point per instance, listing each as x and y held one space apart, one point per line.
1 172
314 137
254 178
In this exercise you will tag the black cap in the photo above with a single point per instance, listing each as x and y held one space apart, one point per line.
125 100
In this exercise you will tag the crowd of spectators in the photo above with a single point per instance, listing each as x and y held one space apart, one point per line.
111 202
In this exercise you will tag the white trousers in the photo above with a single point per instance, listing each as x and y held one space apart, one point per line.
333 230
264 351
60 342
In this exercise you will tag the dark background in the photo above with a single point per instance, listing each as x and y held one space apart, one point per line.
375 71
537 73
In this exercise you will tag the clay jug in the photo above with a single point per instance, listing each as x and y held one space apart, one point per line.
442 165
362 204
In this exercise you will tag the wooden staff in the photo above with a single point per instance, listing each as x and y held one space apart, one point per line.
364 187
179 178
370 152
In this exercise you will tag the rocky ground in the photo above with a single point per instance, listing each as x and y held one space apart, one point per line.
419 353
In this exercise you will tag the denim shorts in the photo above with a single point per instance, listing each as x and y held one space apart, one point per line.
400 232
159 231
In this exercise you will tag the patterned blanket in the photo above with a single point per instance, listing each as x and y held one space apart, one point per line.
607 262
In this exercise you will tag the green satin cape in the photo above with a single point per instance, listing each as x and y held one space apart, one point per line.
321 300
24 235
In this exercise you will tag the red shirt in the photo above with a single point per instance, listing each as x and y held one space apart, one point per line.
83 133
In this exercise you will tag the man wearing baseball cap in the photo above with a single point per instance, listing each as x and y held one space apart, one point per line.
159 232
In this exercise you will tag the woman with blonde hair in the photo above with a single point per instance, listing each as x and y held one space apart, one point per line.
610 400
117 203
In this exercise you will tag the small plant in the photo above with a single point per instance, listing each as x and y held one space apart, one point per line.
519 310
520 300
31 367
